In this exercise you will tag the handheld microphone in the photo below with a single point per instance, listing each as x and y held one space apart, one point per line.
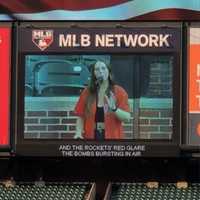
99 80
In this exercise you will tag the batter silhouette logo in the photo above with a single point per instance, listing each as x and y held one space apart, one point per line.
42 38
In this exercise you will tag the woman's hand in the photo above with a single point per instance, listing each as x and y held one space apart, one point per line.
78 136
111 101
79 128
112 107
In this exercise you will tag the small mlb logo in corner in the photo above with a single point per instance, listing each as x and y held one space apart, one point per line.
42 38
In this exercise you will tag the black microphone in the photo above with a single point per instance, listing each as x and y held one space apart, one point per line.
99 80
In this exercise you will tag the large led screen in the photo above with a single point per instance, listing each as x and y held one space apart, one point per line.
98 89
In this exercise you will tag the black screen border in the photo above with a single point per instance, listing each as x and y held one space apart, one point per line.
49 147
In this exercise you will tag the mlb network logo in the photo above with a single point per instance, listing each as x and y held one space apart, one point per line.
42 38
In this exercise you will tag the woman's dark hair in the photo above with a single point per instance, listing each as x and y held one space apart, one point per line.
92 87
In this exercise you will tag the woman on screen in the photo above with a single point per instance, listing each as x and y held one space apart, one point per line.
102 107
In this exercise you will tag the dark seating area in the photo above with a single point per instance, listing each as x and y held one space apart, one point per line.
50 191
165 191
94 179
83 191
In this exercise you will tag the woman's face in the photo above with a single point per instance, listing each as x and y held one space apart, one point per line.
101 71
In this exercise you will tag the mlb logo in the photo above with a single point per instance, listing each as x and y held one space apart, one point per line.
42 38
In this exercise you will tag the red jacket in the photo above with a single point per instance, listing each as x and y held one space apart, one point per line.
113 126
